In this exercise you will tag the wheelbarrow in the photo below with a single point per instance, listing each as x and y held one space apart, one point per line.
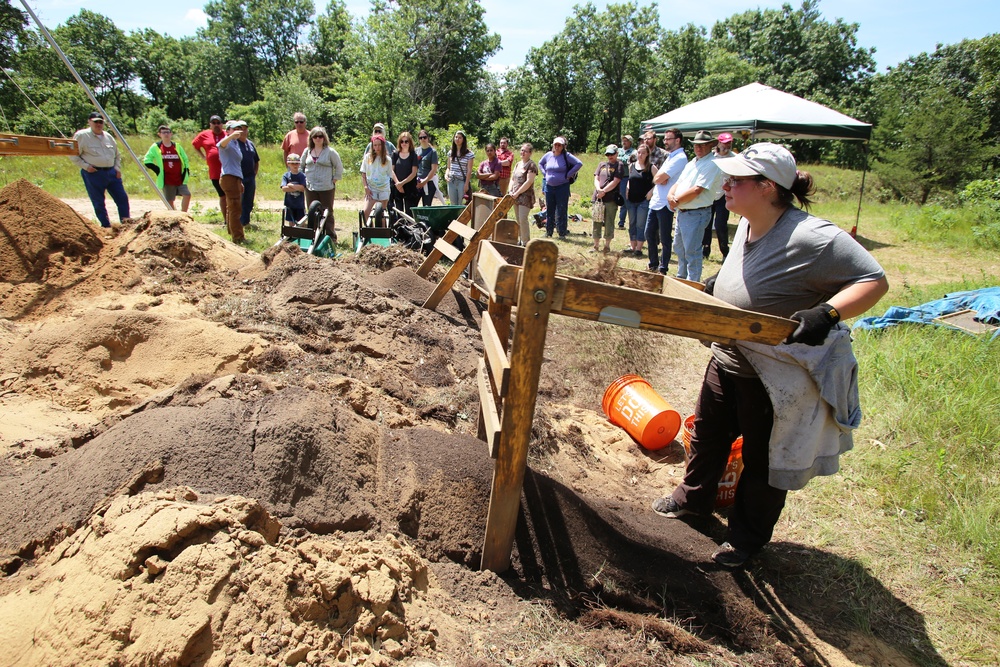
392 226
310 233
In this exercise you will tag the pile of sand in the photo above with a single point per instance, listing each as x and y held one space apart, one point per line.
41 238
107 360
178 578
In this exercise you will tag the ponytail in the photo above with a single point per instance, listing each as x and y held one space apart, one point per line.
802 190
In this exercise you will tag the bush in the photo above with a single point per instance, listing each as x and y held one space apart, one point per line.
154 117
982 199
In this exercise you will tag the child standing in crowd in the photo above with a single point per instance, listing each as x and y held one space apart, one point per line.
293 184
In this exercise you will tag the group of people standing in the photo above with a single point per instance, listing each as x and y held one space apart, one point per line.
654 187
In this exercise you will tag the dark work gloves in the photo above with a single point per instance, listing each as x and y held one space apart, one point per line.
710 285
814 324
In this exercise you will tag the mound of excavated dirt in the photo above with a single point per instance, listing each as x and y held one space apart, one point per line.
312 463
174 579
106 360
41 238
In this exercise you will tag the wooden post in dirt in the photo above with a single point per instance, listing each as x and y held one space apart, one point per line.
533 307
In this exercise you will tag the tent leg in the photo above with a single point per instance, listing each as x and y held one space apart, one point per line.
857 218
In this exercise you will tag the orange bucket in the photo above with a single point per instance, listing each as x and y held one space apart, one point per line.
726 495
630 402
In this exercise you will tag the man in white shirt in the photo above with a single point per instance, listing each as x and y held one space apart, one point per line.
660 222
101 168
692 196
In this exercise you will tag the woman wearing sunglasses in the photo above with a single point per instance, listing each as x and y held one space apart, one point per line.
795 404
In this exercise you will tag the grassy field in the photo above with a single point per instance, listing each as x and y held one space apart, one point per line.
905 536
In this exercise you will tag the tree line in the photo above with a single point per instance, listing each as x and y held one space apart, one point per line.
422 64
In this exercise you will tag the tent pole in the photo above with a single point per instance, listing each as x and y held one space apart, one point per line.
90 94
854 230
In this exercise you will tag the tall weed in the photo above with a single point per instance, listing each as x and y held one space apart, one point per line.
931 401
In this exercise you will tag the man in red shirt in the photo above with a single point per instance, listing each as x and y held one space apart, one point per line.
296 141
205 145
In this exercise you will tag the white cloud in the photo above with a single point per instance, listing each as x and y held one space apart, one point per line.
196 16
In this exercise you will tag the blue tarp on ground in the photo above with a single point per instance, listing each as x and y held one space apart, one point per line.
986 303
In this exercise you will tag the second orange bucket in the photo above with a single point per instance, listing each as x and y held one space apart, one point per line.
726 494
632 403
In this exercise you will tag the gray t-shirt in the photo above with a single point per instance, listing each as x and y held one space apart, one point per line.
428 157
800 263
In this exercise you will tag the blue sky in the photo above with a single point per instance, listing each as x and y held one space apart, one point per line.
897 30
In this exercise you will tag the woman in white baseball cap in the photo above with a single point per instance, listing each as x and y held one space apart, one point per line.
794 404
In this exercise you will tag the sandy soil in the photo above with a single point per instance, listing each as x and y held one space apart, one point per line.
211 457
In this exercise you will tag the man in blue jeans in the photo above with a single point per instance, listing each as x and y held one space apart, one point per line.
660 223
101 168
692 196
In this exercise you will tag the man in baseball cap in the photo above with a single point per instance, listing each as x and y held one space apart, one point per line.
100 165
720 214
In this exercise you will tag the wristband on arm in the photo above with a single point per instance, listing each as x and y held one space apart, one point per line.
814 324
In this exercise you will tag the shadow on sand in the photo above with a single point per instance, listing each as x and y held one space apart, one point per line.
841 603
578 551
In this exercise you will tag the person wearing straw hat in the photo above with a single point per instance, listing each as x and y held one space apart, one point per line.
692 196
794 404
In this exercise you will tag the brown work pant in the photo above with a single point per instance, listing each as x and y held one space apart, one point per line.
233 187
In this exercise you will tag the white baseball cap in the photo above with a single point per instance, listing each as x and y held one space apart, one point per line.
768 160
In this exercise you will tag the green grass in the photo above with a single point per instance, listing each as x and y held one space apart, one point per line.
917 501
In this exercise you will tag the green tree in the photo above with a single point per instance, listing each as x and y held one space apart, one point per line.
326 57
444 45
935 128
104 57
163 66
679 63
796 51
414 62
270 117
65 107
933 150
617 44
259 37
564 85
13 24
330 36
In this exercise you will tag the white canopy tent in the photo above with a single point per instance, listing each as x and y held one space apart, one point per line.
763 113
759 112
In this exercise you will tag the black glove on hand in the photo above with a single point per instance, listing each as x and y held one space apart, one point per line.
710 285
814 324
